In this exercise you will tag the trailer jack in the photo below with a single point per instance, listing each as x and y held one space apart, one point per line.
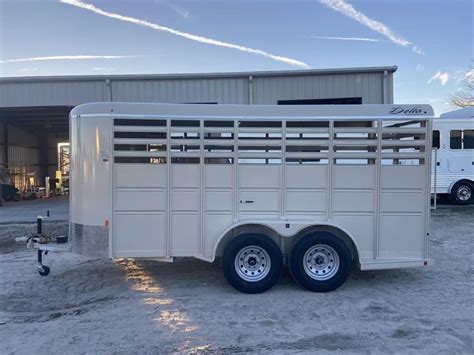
42 269
44 244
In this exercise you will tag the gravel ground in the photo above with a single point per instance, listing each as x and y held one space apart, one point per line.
27 211
127 306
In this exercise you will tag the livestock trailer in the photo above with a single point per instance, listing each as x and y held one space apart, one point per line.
453 138
317 187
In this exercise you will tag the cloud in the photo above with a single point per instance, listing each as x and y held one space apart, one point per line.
469 75
186 35
420 67
66 57
377 26
181 11
443 77
104 69
417 50
350 39
27 70
463 75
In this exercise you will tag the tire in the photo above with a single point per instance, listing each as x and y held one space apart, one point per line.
320 262
462 193
252 263
44 271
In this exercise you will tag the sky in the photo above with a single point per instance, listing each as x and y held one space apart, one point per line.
431 41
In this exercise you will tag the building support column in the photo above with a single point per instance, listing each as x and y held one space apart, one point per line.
5 145
43 156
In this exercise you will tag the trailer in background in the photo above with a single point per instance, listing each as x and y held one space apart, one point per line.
453 138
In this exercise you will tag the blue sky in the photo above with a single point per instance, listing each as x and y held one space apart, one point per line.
431 41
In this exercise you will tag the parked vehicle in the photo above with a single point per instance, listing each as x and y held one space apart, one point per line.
8 190
317 187
453 137
10 193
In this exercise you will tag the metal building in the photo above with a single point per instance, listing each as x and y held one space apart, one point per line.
34 110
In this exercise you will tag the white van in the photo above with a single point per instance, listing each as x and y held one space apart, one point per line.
453 137
317 187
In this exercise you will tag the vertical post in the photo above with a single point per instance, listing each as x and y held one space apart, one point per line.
384 86
202 173
5 158
330 170
43 148
5 144
435 177
168 188
235 174
283 169
250 90
378 188
108 85
39 225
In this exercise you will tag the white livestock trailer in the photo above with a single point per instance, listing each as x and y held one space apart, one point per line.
318 187
453 138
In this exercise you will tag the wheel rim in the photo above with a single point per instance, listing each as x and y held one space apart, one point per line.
321 262
252 263
463 193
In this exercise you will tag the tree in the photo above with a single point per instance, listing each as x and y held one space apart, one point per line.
464 97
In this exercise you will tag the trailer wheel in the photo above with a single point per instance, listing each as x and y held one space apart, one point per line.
44 271
320 262
252 263
461 193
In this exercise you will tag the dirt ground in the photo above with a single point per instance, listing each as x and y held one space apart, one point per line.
128 306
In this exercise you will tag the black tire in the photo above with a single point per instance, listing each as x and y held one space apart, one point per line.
44 270
271 270
318 242
462 193
17 197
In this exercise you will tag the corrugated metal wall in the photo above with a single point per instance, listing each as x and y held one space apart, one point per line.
18 154
223 91
232 89
23 162
369 86
52 93
229 88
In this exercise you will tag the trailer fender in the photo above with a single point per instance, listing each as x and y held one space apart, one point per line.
276 231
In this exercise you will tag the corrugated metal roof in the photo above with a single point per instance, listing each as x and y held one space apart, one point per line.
303 72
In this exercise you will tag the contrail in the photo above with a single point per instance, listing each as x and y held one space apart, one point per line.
349 11
186 35
350 39
66 57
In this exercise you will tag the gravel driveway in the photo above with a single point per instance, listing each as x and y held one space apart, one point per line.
127 306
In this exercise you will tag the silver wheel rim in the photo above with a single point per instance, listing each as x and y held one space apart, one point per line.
252 263
321 262
463 193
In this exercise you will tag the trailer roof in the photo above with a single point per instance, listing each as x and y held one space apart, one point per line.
260 112
466 112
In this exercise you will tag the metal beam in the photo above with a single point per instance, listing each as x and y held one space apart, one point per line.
5 144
